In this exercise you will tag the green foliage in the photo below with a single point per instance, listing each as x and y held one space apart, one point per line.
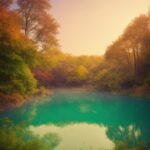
18 138
15 57
121 145
79 75
107 80
27 50
82 72
59 69
15 75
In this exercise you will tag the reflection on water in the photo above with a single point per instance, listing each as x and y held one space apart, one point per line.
88 120
84 136
80 136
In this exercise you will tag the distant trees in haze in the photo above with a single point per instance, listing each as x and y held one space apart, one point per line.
59 69
30 56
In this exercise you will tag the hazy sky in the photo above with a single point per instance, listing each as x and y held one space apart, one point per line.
89 26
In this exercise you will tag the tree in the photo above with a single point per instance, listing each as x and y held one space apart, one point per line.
134 35
128 59
9 26
78 75
117 52
15 74
127 50
37 22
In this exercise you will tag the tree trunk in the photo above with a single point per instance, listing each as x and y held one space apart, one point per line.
138 61
135 61
128 59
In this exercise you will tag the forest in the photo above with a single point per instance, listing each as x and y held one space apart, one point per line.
32 63
31 59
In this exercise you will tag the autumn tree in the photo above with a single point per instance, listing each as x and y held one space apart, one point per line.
9 26
127 58
15 74
134 35
37 22
129 47
117 53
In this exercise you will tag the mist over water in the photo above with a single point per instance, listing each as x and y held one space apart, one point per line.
86 119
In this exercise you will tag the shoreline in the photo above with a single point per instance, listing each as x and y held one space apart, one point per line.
19 100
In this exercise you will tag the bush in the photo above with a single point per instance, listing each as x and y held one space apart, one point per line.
15 75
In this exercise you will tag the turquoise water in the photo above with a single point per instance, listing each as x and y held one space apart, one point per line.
87 120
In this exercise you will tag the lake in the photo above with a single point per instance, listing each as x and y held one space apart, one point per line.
87 120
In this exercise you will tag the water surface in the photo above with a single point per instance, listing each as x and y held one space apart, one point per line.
87 120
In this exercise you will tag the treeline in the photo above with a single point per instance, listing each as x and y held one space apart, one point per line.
59 69
30 56
124 69
127 67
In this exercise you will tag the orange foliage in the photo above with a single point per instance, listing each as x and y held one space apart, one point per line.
11 100
9 25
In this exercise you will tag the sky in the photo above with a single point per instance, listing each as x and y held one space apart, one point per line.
87 27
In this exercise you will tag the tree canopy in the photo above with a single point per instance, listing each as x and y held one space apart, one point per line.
37 23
